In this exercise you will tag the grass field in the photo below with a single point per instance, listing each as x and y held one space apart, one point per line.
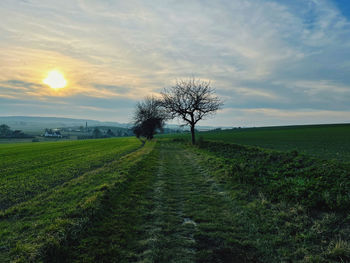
117 200
29 169
324 141
44 185
286 207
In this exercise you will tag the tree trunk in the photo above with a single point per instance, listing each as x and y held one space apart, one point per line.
193 135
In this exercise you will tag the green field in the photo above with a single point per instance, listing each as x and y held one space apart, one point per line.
324 141
44 184
118 200
52 164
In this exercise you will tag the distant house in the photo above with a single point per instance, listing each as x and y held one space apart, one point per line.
52 133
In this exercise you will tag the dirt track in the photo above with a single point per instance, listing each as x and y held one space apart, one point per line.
172 211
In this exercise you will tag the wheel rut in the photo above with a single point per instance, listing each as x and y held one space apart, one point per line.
169 232
176 212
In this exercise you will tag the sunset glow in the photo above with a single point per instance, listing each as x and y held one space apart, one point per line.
55 80
289 65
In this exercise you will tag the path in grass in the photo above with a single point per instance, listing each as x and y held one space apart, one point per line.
172 210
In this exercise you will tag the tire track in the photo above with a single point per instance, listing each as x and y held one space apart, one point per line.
192 217
168 232
175 212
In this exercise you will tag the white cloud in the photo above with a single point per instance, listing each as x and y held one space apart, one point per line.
264 116
258 54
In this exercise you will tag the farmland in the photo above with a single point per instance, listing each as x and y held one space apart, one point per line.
323 141
42 184
117 200
51 164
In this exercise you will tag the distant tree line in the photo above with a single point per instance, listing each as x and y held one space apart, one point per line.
98 133
6 132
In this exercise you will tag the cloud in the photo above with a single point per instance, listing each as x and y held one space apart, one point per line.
273 117
278 55
75 106
117 89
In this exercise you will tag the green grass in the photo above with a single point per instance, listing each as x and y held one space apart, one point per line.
286 207
116 200
323 141
215 203
29 169
169 211
285 176
113 234
72 184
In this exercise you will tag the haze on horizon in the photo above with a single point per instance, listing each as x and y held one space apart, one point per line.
272 62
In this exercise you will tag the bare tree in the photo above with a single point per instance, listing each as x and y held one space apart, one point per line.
148 117
190 100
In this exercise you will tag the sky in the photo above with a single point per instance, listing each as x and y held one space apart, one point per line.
281 62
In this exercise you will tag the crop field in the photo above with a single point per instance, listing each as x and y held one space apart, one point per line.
118 200
51 164
42 183
323 141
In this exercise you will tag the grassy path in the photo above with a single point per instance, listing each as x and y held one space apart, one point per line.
172 210
170 202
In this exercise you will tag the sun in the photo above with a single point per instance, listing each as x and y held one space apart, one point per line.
55 80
